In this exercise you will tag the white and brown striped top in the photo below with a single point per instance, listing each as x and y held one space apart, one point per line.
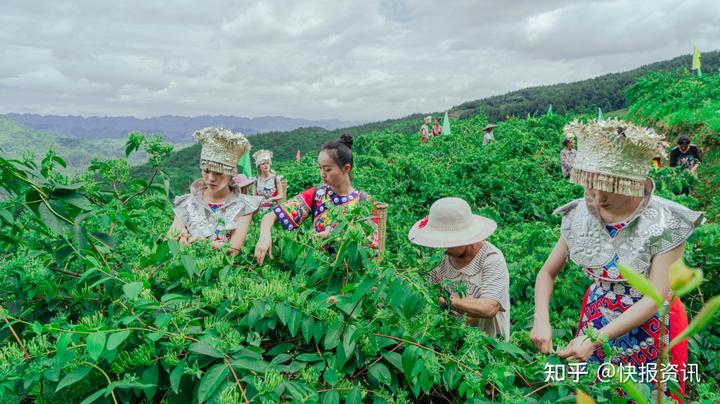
486 276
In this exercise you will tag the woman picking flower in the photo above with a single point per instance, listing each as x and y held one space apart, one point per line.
335 162
619 222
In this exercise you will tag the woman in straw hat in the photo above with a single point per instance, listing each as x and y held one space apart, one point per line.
469 259
488 136
268 182
619 222
336 163
215 209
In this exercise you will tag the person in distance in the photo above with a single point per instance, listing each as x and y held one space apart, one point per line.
268 182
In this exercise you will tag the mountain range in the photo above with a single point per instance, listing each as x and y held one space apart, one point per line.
177 129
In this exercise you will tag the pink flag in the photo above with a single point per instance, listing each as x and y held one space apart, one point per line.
297 156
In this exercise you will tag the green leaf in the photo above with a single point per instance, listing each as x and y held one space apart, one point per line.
7 216
381 373
176 376
163 320
394 358
450 375
78 201
61 345
348 341
96 344
642 284
409 357
354 397
331 376
150 377
700 320
331 397
189 264
173 246
104 238
54 223
283 312
94 396
173 298
132 289
211 381
307 329
306 357
294 322
73 377
332 336
512 349
251 361
116 339
203 348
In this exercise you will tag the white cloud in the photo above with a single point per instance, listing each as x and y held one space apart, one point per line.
323 59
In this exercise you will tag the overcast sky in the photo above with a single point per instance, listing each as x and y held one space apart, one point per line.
353 60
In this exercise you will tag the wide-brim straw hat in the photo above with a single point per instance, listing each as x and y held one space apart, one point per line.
451 223
490 126
241 180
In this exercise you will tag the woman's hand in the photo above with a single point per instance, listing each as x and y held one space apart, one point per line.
217 245
541 336
579 349
262 248
324 234
185 237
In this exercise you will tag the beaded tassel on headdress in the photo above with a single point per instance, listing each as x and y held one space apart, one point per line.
221 149
613 155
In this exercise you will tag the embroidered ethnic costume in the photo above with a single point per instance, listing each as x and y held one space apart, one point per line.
213 221
315 203
613 156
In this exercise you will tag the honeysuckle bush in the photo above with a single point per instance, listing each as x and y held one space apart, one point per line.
98 306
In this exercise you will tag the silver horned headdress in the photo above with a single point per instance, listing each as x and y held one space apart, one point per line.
613 155
262 156
221 149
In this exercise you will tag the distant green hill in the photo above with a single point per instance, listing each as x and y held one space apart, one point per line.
16 140
606 92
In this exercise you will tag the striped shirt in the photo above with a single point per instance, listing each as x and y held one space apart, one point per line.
486 276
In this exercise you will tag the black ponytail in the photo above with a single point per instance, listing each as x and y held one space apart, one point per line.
340 150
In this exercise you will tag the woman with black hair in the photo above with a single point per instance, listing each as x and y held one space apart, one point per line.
216 209
335 162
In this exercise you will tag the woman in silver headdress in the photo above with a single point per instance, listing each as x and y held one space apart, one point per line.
619 222
268 183
215 209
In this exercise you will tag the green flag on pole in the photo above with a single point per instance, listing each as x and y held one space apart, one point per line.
550 111
446 125
600 115
244 165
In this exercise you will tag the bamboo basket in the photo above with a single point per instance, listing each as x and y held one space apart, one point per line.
381 209
283 188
